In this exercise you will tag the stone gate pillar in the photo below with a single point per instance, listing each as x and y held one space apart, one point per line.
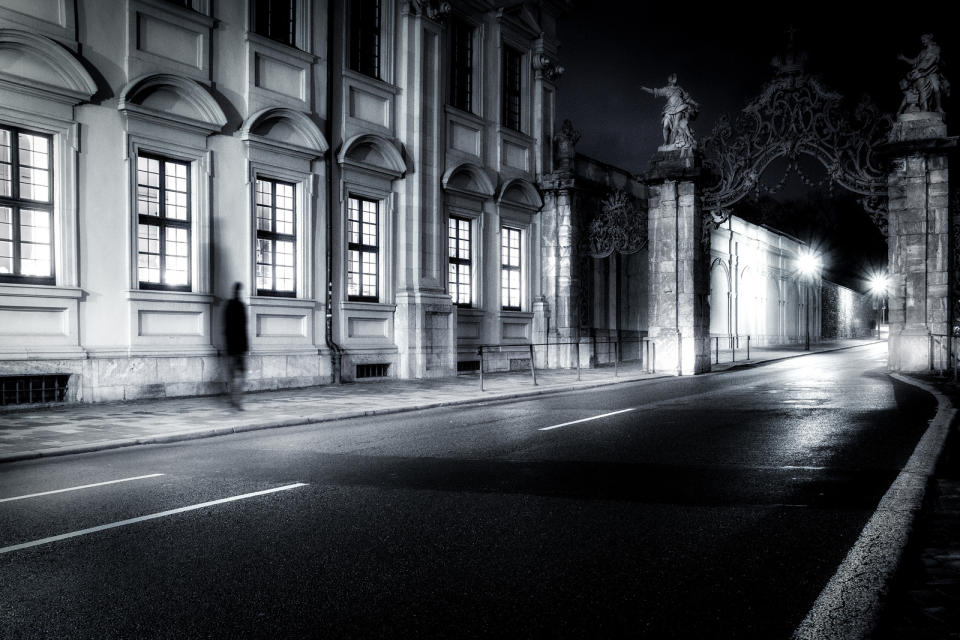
678 312
918 239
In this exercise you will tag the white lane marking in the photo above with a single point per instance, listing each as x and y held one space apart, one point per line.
152 516
602 415
83 486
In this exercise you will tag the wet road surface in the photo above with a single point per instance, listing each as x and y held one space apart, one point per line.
716 506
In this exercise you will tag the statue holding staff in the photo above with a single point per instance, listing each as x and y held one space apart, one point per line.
679 110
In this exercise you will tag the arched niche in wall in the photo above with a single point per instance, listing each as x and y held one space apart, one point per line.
521 194
372 153
282 128
172 100
32 66
470 180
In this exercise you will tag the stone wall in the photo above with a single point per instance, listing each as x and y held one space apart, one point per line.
845 313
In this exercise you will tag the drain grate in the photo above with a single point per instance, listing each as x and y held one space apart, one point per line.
372 370
33 389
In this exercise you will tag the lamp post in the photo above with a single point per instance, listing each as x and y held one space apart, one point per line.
808 263
878 287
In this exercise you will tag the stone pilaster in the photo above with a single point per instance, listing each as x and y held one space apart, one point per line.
918 239
560 279
679 270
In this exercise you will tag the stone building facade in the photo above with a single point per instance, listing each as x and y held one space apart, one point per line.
367 170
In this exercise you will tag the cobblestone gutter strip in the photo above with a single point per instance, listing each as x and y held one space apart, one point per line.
210 432
848 607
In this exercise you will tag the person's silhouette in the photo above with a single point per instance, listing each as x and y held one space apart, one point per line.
235 332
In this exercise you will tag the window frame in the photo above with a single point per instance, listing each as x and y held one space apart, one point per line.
15 203
454 288
362 249
356 32
462 31
506 230
293 35
274 236
164 222
505 88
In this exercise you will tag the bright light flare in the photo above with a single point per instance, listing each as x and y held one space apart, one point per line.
879 282
808 263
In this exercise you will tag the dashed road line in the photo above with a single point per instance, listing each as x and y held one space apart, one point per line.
602 415
152 516
77 488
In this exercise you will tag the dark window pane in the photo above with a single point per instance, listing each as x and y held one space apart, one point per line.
461 65
365 37
512 88
275 19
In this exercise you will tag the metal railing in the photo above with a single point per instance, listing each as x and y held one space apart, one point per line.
943 352
733 343
646 353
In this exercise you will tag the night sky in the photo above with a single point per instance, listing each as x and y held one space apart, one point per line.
721 54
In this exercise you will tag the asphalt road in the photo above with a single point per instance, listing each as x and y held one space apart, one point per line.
716 506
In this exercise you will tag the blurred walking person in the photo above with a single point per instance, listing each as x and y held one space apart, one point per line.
235 332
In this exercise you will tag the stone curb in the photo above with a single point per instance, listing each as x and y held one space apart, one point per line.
210 432
849 606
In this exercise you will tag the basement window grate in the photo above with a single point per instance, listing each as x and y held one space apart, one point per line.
468 366
372 370
33 389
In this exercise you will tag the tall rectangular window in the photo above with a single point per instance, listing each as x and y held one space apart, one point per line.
510 268
163 217
276 19
276 238
461 261
363 249
26 207
365 23
461 65
512 88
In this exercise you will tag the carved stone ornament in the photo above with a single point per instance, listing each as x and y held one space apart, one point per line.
547 67
433 9
795 115
925 85
619 227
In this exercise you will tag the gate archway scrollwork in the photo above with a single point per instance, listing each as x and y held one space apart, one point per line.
618 227
795 115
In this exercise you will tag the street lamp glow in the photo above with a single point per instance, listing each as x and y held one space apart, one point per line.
808 263
879 282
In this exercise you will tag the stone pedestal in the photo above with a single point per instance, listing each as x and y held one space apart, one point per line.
918 239
679 265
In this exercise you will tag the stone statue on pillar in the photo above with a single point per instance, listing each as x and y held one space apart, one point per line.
678 111
925 80
566 139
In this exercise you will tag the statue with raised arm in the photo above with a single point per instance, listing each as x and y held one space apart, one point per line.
925 78
679 110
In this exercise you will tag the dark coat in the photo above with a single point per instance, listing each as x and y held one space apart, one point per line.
235 327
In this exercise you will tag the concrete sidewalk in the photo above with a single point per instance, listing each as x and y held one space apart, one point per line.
66 429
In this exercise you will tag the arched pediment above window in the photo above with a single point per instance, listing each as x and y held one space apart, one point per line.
374 153
39 66
285 129
179 100
520 193
469 179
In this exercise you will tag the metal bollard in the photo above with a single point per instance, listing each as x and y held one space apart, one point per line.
533 368
717 343
577 347
616 359
480 352
748 347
